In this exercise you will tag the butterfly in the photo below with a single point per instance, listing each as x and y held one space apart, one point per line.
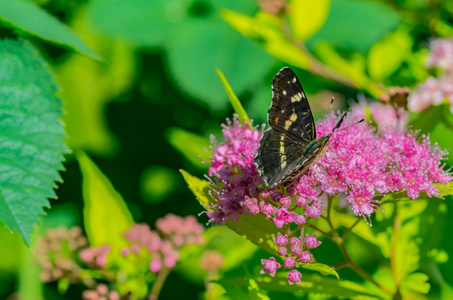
289 147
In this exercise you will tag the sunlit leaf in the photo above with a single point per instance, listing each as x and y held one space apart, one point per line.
266 30
307 17
415 283
387 55
309 284
189 144
237 106
199 187
27 17
322 268
106 216
30 284
31 136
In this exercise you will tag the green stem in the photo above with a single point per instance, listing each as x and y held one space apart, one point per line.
158 283
393 254
348 231
328 235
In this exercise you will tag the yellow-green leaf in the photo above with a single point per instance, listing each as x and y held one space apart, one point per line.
266 30
237 106
106 216
199 187
321 268
386 56
444 189
307 17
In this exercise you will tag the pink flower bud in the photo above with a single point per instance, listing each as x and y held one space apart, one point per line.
301 201
305 257
285 201
282 251
300 219
294 241
296 250
155 265
311 241
270 266
281 240
294 277
289 262
267 208
314 210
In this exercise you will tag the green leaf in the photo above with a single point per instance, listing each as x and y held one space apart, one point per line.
368 21
265 29
237 106
387 55
428 119
257 229
415 283
139 22
307 17
321 268
29 18
157 183
199 187
189 144
31 136
309 284
444 189
200 46
106 216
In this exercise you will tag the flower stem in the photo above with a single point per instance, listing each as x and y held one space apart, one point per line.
328 235
393 254
157 286
348 231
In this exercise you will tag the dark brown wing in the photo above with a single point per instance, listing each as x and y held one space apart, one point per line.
278 155
290 112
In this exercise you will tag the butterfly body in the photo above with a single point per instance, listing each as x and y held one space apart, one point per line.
290 146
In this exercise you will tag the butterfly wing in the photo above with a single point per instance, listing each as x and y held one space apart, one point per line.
278 155
290 112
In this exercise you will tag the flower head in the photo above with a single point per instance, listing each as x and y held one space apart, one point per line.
270 266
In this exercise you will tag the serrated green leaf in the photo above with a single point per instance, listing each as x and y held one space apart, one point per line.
31 136
106 216
237 106
189 144
307 17
199 187
415 282
342 289
322 268
28 17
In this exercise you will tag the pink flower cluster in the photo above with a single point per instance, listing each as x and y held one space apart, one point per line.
365 162
101 293
55 253
163 249
435 90
95 257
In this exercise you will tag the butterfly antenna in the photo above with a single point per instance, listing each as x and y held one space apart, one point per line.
341 121
328 114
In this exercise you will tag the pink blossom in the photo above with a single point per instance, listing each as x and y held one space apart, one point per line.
289 262
282 251
282 216
311 241
270 266
281 240
305 257
285 201
294 277
315 210
300 219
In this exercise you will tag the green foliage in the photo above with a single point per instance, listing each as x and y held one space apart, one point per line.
311 284
157 183
200 188
189 144
26 17
105 213
237 106
31 136
356 24
321 268
307 17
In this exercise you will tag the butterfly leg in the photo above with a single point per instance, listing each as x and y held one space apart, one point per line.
334 156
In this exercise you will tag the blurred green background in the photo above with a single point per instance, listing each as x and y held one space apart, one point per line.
147 108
